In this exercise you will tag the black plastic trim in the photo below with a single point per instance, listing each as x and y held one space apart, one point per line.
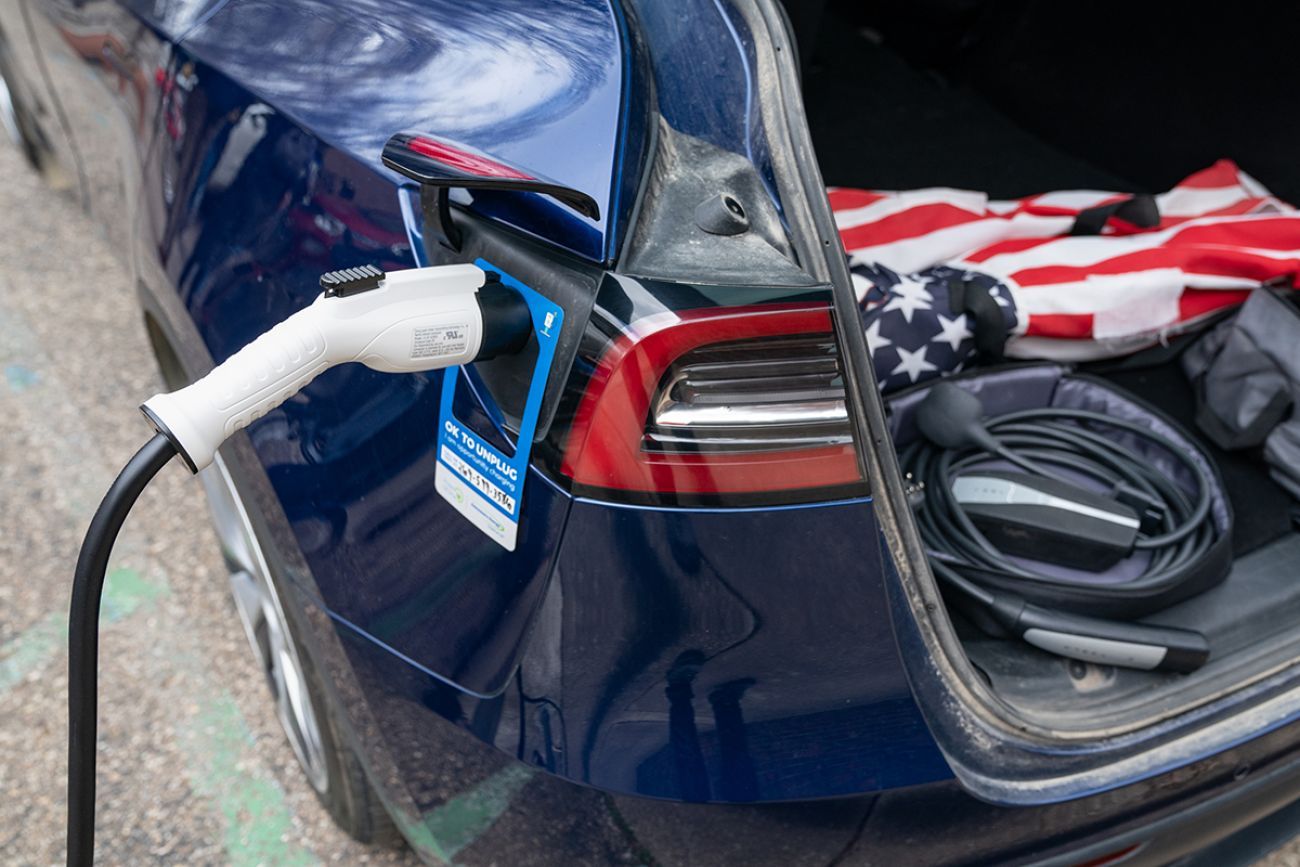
171 437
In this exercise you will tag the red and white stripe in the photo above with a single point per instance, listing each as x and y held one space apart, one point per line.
1221 233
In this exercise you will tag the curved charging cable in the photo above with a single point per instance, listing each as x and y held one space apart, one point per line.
403 322
83 640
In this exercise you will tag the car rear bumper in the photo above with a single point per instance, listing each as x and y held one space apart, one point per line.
1229 808
1239 826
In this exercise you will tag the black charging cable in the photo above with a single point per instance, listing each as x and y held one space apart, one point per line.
83 641
1056 443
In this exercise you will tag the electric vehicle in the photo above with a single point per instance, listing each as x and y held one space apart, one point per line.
715 639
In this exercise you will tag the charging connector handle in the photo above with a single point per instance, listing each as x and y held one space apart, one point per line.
1143 646
399 322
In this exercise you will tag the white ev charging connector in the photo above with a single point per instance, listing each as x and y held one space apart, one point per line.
403 322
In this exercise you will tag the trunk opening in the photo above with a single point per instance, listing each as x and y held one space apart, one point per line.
1013 99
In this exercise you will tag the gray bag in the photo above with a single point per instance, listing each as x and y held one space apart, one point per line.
1246 372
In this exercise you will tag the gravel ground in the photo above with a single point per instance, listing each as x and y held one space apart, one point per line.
193 767
1287 856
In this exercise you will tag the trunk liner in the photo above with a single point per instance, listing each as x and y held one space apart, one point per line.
881 124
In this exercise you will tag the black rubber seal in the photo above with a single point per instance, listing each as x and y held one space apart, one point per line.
159 426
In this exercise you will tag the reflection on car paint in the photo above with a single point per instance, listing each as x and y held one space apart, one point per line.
514 80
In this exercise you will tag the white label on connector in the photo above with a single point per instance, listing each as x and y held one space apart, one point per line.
440 340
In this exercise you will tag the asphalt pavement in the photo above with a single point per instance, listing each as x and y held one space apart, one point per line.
193 766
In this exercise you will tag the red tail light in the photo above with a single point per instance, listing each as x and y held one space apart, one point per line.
742 400
464 160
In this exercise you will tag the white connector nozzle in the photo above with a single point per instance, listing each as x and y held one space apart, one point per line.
402 322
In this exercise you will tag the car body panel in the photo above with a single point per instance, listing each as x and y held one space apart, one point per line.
705 81
712 655
351 457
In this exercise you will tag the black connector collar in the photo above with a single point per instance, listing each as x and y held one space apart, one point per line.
507 321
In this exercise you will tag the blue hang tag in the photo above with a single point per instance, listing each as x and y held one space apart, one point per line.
479 480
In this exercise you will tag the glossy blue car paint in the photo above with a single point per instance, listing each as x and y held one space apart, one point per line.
683 617
721 655
539 86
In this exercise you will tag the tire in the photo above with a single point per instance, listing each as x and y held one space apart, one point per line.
311 724
308 717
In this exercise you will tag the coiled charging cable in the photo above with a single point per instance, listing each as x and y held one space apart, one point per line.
1063 445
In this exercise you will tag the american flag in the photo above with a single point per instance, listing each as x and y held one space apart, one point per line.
1069 276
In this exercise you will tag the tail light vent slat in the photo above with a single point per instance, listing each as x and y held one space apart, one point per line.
752 395
719 403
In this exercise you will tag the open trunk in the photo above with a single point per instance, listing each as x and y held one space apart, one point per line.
1016 98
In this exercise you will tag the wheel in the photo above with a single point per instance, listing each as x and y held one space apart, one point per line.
301 702
296 686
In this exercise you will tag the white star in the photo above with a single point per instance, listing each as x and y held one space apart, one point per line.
908 297
912 363
954 331
875 342
862 285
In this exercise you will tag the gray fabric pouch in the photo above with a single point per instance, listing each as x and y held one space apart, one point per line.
1246 373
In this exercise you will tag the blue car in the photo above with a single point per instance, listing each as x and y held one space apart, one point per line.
711 636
